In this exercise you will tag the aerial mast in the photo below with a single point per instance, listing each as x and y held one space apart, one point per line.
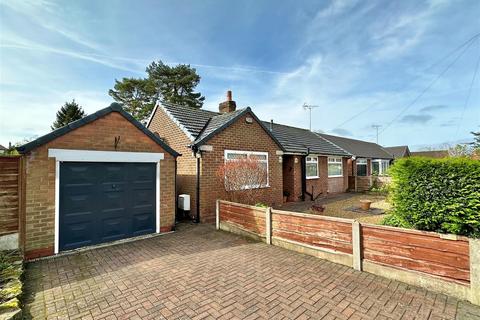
309 107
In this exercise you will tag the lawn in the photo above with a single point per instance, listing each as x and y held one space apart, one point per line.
342 206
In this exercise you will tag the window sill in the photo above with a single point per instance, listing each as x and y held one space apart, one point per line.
311 178
336 176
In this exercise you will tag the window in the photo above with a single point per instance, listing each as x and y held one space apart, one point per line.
245 170
362 167
335 167
312 167
380 167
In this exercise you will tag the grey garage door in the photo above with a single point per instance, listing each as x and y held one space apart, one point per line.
101 202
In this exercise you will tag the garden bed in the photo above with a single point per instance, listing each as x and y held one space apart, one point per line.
11 270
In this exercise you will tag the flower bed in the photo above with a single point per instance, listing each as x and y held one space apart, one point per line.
11 269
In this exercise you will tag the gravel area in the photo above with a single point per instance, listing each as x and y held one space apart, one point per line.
340 205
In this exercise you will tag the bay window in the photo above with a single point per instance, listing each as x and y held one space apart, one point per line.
312 167
245 170
361 167
380 167
335 167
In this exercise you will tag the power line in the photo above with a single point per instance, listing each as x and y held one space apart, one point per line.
474 37
467 100
427 88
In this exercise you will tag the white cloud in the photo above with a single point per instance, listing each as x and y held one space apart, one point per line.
336 7
403 32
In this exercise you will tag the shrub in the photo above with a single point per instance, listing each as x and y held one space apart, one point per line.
394 221
440 195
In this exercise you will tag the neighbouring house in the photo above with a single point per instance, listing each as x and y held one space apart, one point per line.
207 140
368 160
3 150
312 165
439 154
101 178
399 152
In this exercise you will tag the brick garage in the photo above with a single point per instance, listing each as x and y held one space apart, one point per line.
116 134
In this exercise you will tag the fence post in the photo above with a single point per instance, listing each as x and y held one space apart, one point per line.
474 245
217 214
268 225
356 246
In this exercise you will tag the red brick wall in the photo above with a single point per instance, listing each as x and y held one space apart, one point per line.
320 185
97 135
9 195
186 164
238 136
339 184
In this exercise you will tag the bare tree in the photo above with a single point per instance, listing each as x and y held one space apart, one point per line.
243 179
460 150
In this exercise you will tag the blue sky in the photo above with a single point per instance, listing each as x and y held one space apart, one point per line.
361 62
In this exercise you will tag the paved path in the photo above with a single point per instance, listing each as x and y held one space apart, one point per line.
199 273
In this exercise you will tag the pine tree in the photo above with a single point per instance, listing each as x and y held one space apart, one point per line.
476 140
170 84
138 96
176 84
69 112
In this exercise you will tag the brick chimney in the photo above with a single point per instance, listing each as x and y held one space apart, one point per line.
229 105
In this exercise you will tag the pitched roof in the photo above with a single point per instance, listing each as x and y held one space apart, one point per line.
114 107
298 140
216 123
359 148
398 151
431 154
2 148
192 119
202 125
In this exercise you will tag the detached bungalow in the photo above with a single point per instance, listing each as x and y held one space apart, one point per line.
207 140
368 159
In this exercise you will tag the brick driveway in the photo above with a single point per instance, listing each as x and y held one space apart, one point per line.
200 273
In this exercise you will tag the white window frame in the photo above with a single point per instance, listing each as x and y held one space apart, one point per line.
249 153
380 166
67 155
335 161
313 159
362 162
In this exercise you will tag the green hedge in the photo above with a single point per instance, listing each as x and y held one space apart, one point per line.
440 195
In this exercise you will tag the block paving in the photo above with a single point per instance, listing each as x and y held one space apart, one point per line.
200 273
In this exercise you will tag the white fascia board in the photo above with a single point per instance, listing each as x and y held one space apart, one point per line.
104 156
152 114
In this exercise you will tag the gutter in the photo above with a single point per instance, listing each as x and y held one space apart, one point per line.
176 195
197 154
304 174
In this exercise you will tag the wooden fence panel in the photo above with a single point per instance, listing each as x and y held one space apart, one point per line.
249 218
416 250
9 198
313 230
